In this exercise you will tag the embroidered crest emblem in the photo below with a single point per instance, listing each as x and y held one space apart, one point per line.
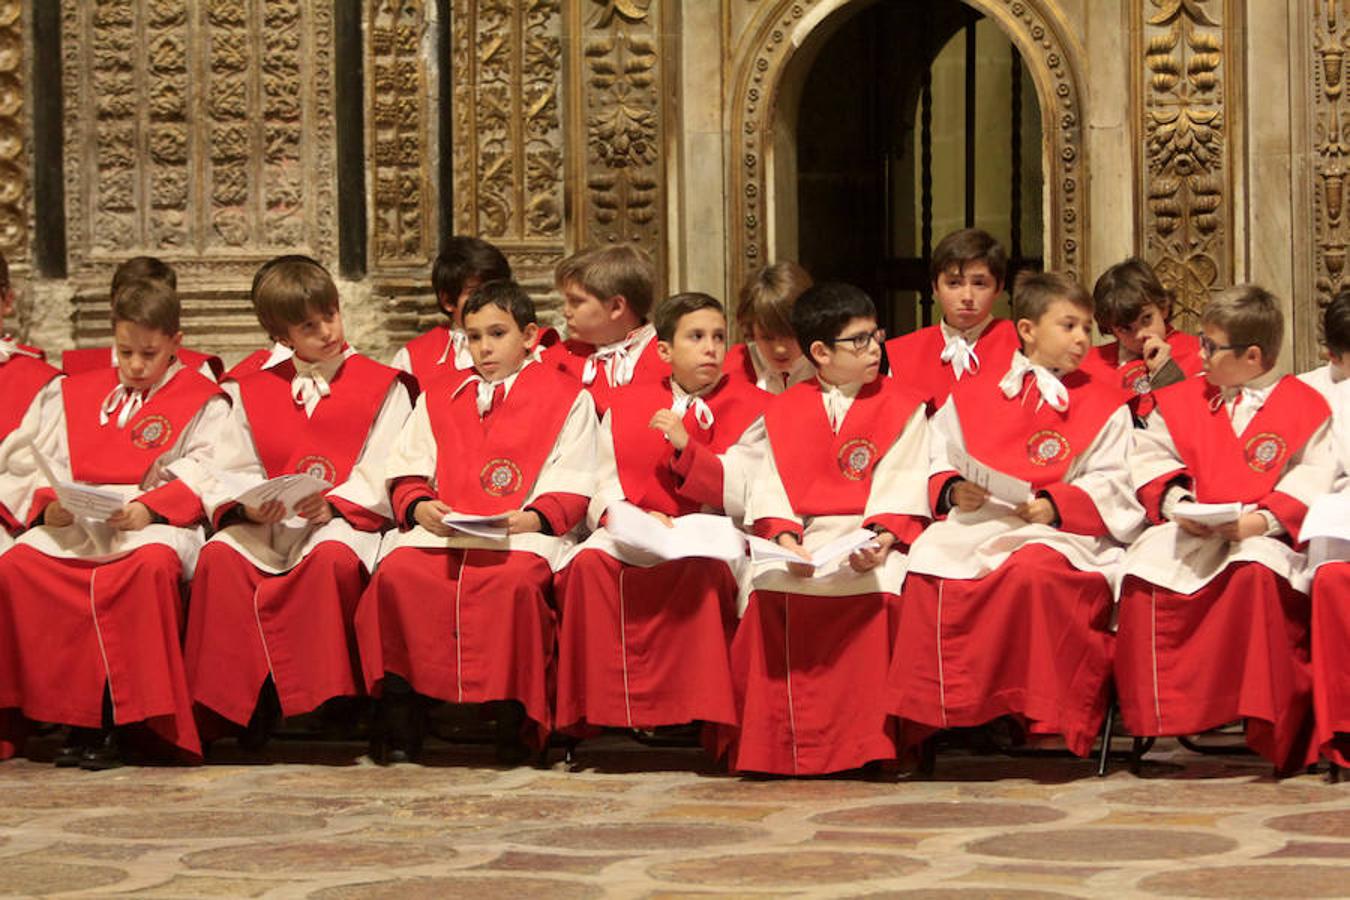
318 466
1265 451
1047 447
856 458
151 432
1135 379
500 477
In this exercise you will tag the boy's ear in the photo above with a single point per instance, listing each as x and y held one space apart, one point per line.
618 306
1024 329
445 302
665 352
531 334
1253 354
177 341
820 354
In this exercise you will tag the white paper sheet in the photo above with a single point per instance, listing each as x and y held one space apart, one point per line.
1211 514
491 527
1328 517
80 500
695 535
289 489
1010 490
762 550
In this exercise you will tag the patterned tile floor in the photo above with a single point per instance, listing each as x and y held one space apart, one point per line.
319 821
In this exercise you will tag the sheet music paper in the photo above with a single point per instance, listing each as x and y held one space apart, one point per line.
290 489
81 500
1211 514
762 550
1328 517
1013 491
694 535
492 527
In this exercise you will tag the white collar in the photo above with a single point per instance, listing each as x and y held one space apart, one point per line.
969 335
277 355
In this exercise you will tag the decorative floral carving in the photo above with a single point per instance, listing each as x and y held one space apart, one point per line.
13 165
1331 146
1187 232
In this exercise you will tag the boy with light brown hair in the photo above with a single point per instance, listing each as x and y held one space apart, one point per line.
770 357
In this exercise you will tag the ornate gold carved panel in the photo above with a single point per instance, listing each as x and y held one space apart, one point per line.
13 161
198 132
1331 144
508 136
1188 76
399 117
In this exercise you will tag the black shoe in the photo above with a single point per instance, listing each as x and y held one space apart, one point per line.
266 716
511 747
400 728
77 742
104 754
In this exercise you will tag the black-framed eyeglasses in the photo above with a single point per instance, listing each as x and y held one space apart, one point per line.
859 343
1209 348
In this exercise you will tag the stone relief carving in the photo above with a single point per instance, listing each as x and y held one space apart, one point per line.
13 154
1331 145
1031 24
1186 187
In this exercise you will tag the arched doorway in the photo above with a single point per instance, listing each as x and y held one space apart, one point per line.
775 72
915 118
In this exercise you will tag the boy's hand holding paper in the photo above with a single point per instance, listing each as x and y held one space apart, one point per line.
1005 488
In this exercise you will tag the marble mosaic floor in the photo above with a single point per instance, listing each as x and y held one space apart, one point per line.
320 822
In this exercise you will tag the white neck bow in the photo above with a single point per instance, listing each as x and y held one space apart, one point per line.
961 355
618 359
702 413
129 400
1051 389
308 386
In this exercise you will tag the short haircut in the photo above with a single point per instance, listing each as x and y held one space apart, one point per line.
1122 292
142 268
1035 292
507 296
464 261
613 270
668 313
822 311
767 298
1336 323
1251 317
149 303
290 289
968 245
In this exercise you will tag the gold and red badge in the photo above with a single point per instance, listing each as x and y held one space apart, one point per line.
856 458
500 477
318 466
1048 447
1134 377
1265 451
151 432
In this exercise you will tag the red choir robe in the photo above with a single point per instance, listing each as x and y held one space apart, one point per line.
467 619
811 654
916 358
87 359
645 642
280 599
84 606
1103 362
1002 617
633 360
744 365
25 379
1210 630
444 350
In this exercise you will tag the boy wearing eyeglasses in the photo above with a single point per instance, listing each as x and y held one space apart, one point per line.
846 451
1213 616
1007 606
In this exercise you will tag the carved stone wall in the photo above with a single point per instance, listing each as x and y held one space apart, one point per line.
14 204
1188 86
200 133
1331 145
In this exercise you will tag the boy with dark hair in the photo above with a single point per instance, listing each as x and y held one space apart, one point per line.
270 629
1007 606
463 264
1132 306
26 383
644 639
463 618
968 271
607 293
140 268
1336 338
770 358
846 451
1213 616
90 608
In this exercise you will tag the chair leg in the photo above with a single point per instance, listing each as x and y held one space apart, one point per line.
1107 727
1137 751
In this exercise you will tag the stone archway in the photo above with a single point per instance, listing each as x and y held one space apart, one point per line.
774 41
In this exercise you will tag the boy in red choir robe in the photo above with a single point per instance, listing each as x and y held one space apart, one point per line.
1007 607
846 451
1330 560
270 624
267 357
469 619
607 293
463 265
26 384
1148 353
139 268
770 358
1213 618
968 269
90 609
645 642
1336 339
